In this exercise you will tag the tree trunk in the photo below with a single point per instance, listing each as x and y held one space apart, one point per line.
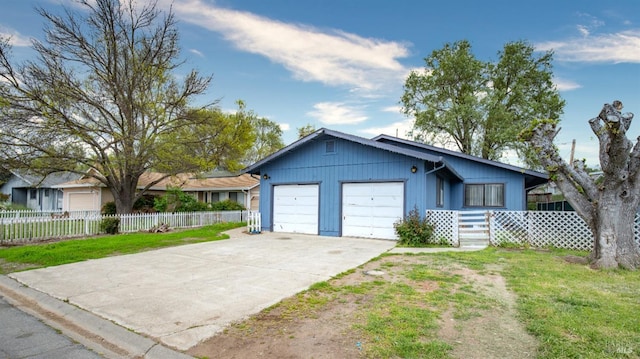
614 238
124 197
609 207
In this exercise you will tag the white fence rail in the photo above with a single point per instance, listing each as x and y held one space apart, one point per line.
13 214
535 228
254 222
19 229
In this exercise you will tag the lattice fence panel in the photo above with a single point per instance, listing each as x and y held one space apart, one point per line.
508 227
445 225
559 229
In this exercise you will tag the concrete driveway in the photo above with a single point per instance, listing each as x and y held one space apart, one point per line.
183 295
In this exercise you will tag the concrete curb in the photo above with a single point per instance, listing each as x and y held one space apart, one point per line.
98 334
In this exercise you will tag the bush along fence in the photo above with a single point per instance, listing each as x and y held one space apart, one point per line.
538 229
23 228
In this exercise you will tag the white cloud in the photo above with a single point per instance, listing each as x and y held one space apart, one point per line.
619 47
400 128
337 113
15 38
565 85
196 52
393 109
583 30
332 57
284 127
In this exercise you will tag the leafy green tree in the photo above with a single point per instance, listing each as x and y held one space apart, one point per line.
102 95
268 139
481 106
306 130
213 139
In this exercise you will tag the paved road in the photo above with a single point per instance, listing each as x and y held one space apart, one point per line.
23 336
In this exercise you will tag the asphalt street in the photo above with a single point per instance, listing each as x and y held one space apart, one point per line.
23 336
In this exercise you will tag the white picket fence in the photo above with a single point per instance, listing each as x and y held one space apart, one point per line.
537 229
254 222
18 229
15 214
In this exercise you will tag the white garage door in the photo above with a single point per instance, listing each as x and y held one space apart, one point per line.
370 209
82 201
295 208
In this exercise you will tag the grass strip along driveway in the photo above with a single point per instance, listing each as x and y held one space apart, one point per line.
70 251
496 303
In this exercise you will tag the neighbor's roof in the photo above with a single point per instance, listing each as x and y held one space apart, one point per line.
186 181
241 182
50 180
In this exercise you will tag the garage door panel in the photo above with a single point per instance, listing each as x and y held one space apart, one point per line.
357 221
359 201
355 190
295 208
370 209
387 202
82 201
384 189
306 201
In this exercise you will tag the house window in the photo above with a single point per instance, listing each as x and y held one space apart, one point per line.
484 195
233 196
330 147
33 194
46 192
439 191
215 197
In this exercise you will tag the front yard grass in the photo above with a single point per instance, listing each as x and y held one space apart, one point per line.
70 251
562 309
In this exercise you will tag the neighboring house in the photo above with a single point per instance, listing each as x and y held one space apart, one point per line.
335 184
87 193
35 191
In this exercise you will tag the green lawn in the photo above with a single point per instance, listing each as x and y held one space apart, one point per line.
52 254
571 310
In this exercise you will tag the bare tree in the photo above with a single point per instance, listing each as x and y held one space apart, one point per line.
102 95
609 207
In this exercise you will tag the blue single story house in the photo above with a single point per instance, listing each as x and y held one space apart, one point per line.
335 184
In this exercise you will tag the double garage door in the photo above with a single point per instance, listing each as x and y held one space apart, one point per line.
368 209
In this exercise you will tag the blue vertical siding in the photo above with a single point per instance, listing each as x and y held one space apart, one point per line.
355 162
475 172
352 162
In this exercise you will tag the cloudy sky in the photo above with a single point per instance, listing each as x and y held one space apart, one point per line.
341 64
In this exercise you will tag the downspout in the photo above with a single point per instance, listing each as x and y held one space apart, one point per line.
247 204
247 199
